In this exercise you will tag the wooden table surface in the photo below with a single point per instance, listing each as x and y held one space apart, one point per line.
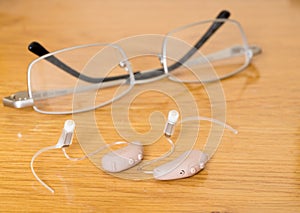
254 171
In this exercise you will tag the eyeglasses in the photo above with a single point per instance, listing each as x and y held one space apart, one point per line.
53 77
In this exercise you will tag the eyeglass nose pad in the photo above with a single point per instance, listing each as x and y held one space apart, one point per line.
125 64
249 53
160 58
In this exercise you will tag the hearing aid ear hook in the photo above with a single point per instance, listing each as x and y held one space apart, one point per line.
67 134
172 119
64 140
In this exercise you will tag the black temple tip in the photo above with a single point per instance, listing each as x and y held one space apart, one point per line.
224 14
36 48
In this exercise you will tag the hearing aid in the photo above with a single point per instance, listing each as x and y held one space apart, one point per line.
123 158
115 161
190 162
186 165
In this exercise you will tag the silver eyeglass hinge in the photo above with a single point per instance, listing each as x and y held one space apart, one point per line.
18 100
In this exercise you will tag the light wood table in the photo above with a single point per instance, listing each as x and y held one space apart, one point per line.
254 171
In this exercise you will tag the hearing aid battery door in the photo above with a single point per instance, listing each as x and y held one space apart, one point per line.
124 158
187 164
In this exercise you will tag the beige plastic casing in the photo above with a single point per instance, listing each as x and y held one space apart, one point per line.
124 158
187 164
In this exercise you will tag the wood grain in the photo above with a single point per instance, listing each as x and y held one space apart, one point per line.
254 171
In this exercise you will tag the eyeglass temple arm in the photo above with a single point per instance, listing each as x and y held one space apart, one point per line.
39 50
224 14
230 52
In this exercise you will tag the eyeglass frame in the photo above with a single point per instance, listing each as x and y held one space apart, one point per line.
25 99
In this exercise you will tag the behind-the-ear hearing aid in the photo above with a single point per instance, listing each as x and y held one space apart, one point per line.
114 161
190 162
